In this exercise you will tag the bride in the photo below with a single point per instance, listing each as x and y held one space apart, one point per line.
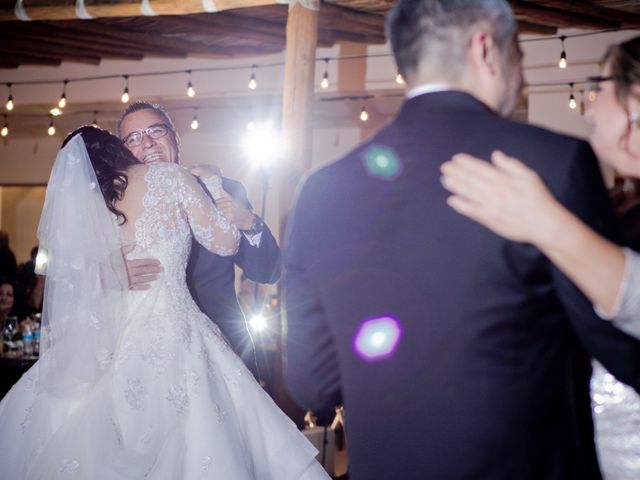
136 384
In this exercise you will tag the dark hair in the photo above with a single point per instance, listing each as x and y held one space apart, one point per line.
138 106
110 160
624 64
14 287
436 31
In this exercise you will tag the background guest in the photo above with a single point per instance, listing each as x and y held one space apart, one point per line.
8 265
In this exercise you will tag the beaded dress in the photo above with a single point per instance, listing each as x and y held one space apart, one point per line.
616 406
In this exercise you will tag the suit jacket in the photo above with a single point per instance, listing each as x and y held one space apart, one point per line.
211 278
489 378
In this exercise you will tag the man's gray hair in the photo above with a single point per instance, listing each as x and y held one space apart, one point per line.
436 32
137 106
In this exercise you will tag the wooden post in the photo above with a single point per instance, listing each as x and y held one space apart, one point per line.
297 110
298 95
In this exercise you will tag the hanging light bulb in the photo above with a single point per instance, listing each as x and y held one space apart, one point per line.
5 129
364 115
10 99
125 94
55 111
191 92
52 129
95 119
399 79
324 83
562 63
194 123
572 99
63 98
252 80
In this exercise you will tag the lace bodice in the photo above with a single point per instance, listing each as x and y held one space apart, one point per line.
165 206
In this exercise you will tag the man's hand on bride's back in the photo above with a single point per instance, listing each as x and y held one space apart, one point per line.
141 272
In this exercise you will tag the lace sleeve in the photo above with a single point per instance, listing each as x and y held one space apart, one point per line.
210 228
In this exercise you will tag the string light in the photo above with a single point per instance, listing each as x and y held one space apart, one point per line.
194 123
572 99
55 111
252 80
562 63
9 99
125 94
52 128
63 98
191 92
324 83
364 115
95 119
399 79
5 129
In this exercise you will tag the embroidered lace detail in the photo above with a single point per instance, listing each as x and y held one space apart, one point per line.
179 398
220 414
134 393
26 420
69 466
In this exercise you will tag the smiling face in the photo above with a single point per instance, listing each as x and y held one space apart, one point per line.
614 138
150 150
6 298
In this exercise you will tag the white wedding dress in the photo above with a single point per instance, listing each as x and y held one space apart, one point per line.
169 399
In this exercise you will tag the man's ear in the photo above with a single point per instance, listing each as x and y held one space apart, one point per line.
483 52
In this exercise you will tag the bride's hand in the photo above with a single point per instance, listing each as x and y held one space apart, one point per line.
204 171
505 196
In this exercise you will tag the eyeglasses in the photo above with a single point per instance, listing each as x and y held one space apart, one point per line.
134 139
592 87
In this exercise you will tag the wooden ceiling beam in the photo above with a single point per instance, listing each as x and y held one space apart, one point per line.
64 47
20 46
535 28
155 42
125 8
245 28
29 59
555 17
362 22
107 46
627 19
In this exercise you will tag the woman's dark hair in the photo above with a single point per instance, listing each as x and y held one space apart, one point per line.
14 287
110 160
624 64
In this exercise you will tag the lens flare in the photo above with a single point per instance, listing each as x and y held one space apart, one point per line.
377 338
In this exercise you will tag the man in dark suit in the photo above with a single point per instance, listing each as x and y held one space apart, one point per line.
148 132
457 354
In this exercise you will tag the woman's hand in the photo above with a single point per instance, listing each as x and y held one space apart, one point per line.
505 196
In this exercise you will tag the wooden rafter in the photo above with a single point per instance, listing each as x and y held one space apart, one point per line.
553 16
124 8
625 18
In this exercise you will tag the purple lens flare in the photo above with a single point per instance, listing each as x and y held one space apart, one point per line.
377 338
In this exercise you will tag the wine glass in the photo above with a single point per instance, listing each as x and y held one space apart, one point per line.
9 332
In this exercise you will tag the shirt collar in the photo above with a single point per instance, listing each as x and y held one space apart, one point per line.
427 88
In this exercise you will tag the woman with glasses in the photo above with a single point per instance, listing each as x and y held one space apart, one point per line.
512 200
